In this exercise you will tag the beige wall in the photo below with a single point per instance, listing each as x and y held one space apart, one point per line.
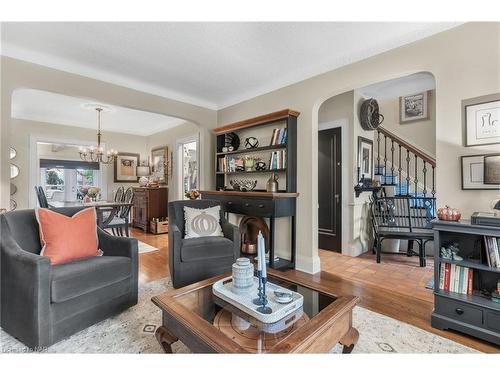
465 62
421 134
23 130
17 74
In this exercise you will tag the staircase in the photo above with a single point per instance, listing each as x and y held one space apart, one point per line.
403 168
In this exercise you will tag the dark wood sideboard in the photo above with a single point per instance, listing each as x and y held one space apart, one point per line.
149 203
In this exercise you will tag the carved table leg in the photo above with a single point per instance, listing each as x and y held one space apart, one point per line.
349 340
165 338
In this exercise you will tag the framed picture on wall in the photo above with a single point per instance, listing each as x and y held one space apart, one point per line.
414 107
159 164
480 172
482 122
126 167
365 157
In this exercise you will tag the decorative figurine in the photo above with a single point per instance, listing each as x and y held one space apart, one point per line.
260 166
251 142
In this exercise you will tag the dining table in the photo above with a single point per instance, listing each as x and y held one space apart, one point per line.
101 207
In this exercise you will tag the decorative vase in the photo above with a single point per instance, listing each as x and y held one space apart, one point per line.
248 164
242 275
272 183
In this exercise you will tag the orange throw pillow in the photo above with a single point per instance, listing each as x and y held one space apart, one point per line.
65 239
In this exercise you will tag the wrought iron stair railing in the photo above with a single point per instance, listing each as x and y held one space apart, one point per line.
402 165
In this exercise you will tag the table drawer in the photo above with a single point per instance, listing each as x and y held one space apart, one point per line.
493 321
459 311
258 207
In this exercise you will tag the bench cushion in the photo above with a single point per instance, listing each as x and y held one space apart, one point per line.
74 279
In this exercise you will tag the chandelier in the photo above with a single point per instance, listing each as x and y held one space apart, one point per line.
96 154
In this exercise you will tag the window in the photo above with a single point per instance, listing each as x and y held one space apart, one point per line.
189 166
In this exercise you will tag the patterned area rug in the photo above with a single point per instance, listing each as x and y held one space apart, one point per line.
145 248
133 332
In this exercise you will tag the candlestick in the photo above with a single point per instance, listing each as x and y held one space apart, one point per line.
258 301
262 252
263 309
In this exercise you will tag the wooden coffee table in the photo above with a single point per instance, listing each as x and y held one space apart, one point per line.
203 323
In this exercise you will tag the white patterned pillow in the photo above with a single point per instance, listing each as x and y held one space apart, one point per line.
203 222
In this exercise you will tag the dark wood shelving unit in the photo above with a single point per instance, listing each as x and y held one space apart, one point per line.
260 203
253 150
255 172
474 314
469 264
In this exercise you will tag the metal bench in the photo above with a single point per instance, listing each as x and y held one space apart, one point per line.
405 218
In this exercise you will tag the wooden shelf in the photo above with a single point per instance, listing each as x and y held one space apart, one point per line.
474 265
253 172
253 150
259 120
257 194
473 299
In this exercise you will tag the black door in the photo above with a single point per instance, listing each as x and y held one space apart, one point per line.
329 189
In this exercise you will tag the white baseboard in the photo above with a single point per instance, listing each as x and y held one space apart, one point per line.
307 264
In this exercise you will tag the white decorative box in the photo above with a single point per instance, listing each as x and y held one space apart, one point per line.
244 301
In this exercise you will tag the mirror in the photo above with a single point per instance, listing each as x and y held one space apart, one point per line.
14 171
13 153
13 189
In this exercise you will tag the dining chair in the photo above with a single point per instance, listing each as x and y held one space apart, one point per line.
42 198
121 221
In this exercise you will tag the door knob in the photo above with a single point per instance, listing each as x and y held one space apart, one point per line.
337 198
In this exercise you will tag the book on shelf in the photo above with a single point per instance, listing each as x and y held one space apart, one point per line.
279 137
277 160
492 250
455 278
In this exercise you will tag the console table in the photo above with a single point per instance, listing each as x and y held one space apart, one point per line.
261 204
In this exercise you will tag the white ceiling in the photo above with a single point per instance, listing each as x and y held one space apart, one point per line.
48 107
209 64
395 88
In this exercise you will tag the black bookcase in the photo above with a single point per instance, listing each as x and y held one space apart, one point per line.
287 116
474 314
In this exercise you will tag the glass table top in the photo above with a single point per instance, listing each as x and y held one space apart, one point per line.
247 332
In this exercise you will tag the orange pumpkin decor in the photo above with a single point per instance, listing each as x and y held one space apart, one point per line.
448 214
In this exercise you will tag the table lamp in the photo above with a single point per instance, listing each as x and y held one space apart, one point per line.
143 172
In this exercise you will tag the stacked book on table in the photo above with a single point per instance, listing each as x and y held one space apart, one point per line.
455 278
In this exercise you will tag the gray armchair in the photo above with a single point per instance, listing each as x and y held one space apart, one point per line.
42 304
196 259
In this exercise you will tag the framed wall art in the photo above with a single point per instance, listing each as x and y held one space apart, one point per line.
414 107
159 164
481 117
365 157
480 172
126 167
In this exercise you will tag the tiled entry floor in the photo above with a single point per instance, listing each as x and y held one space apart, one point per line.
397 273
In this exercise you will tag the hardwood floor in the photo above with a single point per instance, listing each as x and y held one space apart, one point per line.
395 288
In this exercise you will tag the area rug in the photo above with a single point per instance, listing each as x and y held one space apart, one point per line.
133 332
145 248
